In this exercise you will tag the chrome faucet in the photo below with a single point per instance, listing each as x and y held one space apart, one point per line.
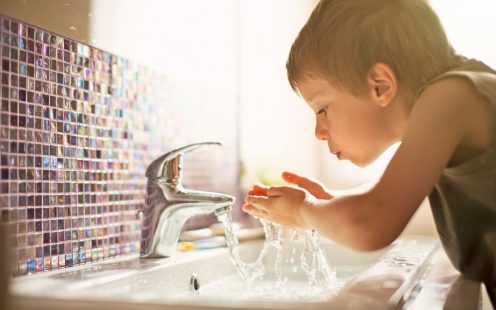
168 205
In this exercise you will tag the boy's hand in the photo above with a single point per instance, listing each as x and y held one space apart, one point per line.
282 204
312 186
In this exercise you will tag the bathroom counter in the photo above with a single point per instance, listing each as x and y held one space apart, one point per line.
386 279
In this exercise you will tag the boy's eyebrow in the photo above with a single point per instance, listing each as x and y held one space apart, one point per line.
312 97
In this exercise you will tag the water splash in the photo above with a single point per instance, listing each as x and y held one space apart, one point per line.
314 262
255 270
313 259
273 237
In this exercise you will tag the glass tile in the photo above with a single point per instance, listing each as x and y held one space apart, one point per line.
75 140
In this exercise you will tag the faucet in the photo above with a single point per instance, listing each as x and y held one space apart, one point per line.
168 205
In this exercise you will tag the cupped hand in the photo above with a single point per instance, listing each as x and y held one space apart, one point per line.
281 204
285 204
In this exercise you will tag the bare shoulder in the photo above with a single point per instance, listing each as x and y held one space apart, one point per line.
439 133
457 104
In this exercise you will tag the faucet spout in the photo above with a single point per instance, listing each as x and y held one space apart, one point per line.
168 205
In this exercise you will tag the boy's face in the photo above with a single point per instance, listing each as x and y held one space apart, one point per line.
355 128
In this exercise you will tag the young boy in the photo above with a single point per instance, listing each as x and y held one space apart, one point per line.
380 71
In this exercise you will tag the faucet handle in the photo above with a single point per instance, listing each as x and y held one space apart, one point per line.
169 165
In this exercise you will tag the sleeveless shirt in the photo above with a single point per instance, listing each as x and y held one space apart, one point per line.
463 202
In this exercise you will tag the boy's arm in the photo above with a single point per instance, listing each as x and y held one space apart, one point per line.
440 120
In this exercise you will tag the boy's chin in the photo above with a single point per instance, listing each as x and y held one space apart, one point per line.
362 162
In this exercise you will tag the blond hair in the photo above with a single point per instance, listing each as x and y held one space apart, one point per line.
343 39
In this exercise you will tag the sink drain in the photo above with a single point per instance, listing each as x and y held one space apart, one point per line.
194 283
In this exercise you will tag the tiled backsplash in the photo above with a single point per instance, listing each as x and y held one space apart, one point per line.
78 128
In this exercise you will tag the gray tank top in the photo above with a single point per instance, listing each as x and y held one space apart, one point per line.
463 201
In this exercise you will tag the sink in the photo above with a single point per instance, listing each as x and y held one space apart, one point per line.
207 279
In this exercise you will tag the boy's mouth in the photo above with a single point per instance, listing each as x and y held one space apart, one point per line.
338 154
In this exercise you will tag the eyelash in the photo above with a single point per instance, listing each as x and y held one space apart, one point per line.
323 110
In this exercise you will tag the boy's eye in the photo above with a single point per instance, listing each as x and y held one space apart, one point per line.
323 110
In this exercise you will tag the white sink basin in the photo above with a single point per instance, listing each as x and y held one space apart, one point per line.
373 278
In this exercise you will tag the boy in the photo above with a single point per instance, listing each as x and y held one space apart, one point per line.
380 71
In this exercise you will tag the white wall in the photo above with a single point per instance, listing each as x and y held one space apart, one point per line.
277 126
188 40
228 46
470 26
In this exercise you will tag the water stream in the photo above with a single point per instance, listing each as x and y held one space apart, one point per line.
313 260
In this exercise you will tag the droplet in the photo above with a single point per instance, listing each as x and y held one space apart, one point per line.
73 28
295 236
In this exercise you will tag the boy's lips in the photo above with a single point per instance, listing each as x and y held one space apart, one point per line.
338 154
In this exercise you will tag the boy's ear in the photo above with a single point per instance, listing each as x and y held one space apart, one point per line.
382 83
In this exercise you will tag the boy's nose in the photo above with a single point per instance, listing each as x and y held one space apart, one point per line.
321 133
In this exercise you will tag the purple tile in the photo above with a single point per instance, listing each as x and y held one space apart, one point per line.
75 141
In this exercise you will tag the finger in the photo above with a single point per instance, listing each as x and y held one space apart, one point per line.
259 202
261 187
252 192
253 211
275 191
289 176
258 190
257 213
303 182
246 207
314 187
299 180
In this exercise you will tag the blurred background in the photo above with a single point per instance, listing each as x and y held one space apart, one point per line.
240 48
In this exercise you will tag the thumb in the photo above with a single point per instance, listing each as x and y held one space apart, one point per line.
288 176
315 188
296 179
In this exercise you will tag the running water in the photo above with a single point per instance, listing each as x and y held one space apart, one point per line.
313 259
314 262
273 237
255 270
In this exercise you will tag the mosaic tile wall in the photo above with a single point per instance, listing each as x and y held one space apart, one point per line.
78 127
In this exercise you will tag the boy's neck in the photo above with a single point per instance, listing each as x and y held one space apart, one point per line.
398 117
